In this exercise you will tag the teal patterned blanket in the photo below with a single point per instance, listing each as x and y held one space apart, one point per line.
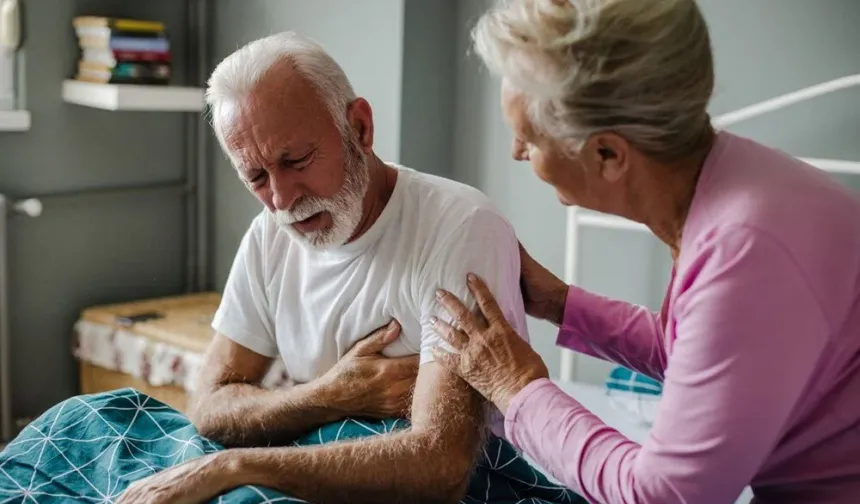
90 448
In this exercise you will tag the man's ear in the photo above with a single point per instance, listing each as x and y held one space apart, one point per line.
360 117
608 154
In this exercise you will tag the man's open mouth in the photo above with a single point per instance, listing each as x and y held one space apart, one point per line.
309 224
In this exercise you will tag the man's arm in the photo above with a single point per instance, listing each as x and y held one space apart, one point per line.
433 460
230 405
430 462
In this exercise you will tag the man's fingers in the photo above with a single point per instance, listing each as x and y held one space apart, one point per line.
464 319
379 339
486 302
455 338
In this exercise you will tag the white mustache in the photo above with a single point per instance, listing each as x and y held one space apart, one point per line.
303 210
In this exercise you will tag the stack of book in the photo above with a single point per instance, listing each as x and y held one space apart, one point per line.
122 51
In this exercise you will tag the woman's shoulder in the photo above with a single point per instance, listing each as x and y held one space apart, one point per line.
754 186
758 201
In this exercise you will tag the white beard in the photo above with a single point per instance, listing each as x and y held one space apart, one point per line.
346 207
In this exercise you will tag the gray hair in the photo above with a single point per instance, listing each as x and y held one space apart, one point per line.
238 74
640 68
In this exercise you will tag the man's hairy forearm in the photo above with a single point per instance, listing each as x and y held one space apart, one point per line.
241 414
431 462
404 467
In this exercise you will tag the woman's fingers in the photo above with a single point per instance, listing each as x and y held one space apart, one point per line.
487 303
464 319
455 338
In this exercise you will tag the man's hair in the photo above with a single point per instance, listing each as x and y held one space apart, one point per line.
640 68
239 73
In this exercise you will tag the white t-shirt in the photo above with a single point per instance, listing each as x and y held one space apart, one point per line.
284 298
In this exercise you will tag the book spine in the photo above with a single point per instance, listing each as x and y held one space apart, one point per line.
126 44
112 58
139 44
104 32
118 23
160 56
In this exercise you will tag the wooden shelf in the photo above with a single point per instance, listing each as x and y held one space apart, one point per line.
14 120
133 97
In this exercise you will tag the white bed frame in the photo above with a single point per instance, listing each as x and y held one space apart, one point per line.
577 217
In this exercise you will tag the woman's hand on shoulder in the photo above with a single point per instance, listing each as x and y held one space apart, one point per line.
544 293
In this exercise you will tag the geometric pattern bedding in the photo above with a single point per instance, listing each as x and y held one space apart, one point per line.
90 448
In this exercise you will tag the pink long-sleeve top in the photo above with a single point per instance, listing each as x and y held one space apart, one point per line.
757 345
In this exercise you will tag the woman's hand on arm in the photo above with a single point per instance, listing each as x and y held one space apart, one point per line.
490 356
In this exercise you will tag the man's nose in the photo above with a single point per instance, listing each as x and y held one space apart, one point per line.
285 190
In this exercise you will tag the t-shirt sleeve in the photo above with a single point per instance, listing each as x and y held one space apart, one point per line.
243 315
485 245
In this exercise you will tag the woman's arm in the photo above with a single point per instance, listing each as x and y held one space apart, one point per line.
612 330
749 334
616 331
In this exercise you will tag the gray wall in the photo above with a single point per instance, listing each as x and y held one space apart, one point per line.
762 48
365 37
85 250
429 86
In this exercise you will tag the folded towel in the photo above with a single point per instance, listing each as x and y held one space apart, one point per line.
634 393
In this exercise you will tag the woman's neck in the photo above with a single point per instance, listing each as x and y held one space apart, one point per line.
664 199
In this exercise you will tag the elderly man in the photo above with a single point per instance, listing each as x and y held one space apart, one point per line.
346 244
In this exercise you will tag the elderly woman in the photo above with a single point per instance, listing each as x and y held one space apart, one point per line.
758 340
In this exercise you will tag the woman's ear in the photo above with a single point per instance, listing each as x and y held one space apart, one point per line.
609 154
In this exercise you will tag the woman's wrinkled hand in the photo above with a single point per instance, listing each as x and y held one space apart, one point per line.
544 294
366 383
490 356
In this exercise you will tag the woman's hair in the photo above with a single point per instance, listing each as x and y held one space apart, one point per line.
640 68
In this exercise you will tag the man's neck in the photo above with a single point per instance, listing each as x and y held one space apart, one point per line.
383 178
